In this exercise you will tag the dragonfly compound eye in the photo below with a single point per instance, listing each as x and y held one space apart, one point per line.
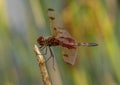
40 40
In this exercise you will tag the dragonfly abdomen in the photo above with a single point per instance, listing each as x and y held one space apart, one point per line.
86 44
72 44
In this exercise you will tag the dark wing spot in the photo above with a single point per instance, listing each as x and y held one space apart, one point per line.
50 9
55 28
66 55
52 18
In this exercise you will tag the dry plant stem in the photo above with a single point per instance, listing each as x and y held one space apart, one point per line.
42 66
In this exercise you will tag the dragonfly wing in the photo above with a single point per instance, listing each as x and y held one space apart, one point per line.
55 29
52 20
69 55
63 33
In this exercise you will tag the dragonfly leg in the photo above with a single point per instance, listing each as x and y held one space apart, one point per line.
51 56
42 48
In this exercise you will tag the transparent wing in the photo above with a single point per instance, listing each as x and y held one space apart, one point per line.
56 30
52 19
69 55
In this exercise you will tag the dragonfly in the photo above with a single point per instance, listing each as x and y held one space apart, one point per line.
61 37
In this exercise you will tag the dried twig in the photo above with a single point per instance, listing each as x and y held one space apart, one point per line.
42 66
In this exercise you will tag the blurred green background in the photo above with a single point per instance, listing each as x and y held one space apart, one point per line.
23 21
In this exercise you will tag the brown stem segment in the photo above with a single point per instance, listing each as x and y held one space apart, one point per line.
42 66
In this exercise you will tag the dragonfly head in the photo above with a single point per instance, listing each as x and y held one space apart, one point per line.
41 40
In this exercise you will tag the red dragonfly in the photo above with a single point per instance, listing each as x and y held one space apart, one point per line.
60 37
